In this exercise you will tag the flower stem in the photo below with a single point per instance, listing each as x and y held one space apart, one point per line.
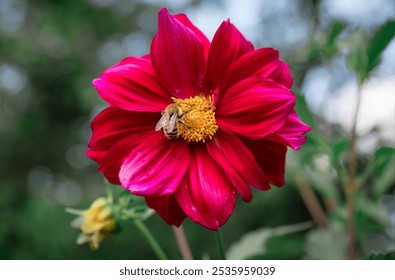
351 252
220 244
351 185
311 201
182 243
151 240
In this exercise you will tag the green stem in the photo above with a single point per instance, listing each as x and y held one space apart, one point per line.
351 250
151 240
351 186
220 244
311 201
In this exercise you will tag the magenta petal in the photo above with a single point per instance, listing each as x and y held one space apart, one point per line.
291 133
271 158
112 161
238 163
132 85
255 108
261 62
279 71
155 166
177 55
112 124
205 193
185 20
168 208
96 155
227 47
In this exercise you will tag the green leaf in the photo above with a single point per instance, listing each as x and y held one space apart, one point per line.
325 45
357 59
383 256
371 209
377 44
335 29
303 110
287 246
381 167
254 243
313 52
323 185
385 179
364 57
383 153
370 217
339 147
331 48
326 244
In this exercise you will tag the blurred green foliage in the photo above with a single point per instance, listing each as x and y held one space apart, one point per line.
44 130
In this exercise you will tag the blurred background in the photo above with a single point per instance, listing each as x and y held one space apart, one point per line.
50 51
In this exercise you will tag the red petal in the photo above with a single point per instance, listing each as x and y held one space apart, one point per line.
168 208
291 133
279 71
153 167
112 125
185 20
227 47
238 163
111 163
255 108
205 193
96 155
270 157
262 62
132 85
177 55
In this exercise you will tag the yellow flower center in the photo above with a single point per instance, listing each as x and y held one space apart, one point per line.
197 122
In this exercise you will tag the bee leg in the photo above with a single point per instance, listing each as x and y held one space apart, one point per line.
184 113
183 123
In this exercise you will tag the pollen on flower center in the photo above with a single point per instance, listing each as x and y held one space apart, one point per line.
198 120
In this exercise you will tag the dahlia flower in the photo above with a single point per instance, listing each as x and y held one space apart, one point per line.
229 131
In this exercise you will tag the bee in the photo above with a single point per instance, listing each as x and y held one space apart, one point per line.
170 120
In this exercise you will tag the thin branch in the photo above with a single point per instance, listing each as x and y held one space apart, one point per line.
151 240
182 243
351 185
311 201
353 150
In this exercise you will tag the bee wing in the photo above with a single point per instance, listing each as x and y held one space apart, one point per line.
162 122
172 123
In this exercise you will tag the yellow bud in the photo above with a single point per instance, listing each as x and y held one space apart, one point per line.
95 223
